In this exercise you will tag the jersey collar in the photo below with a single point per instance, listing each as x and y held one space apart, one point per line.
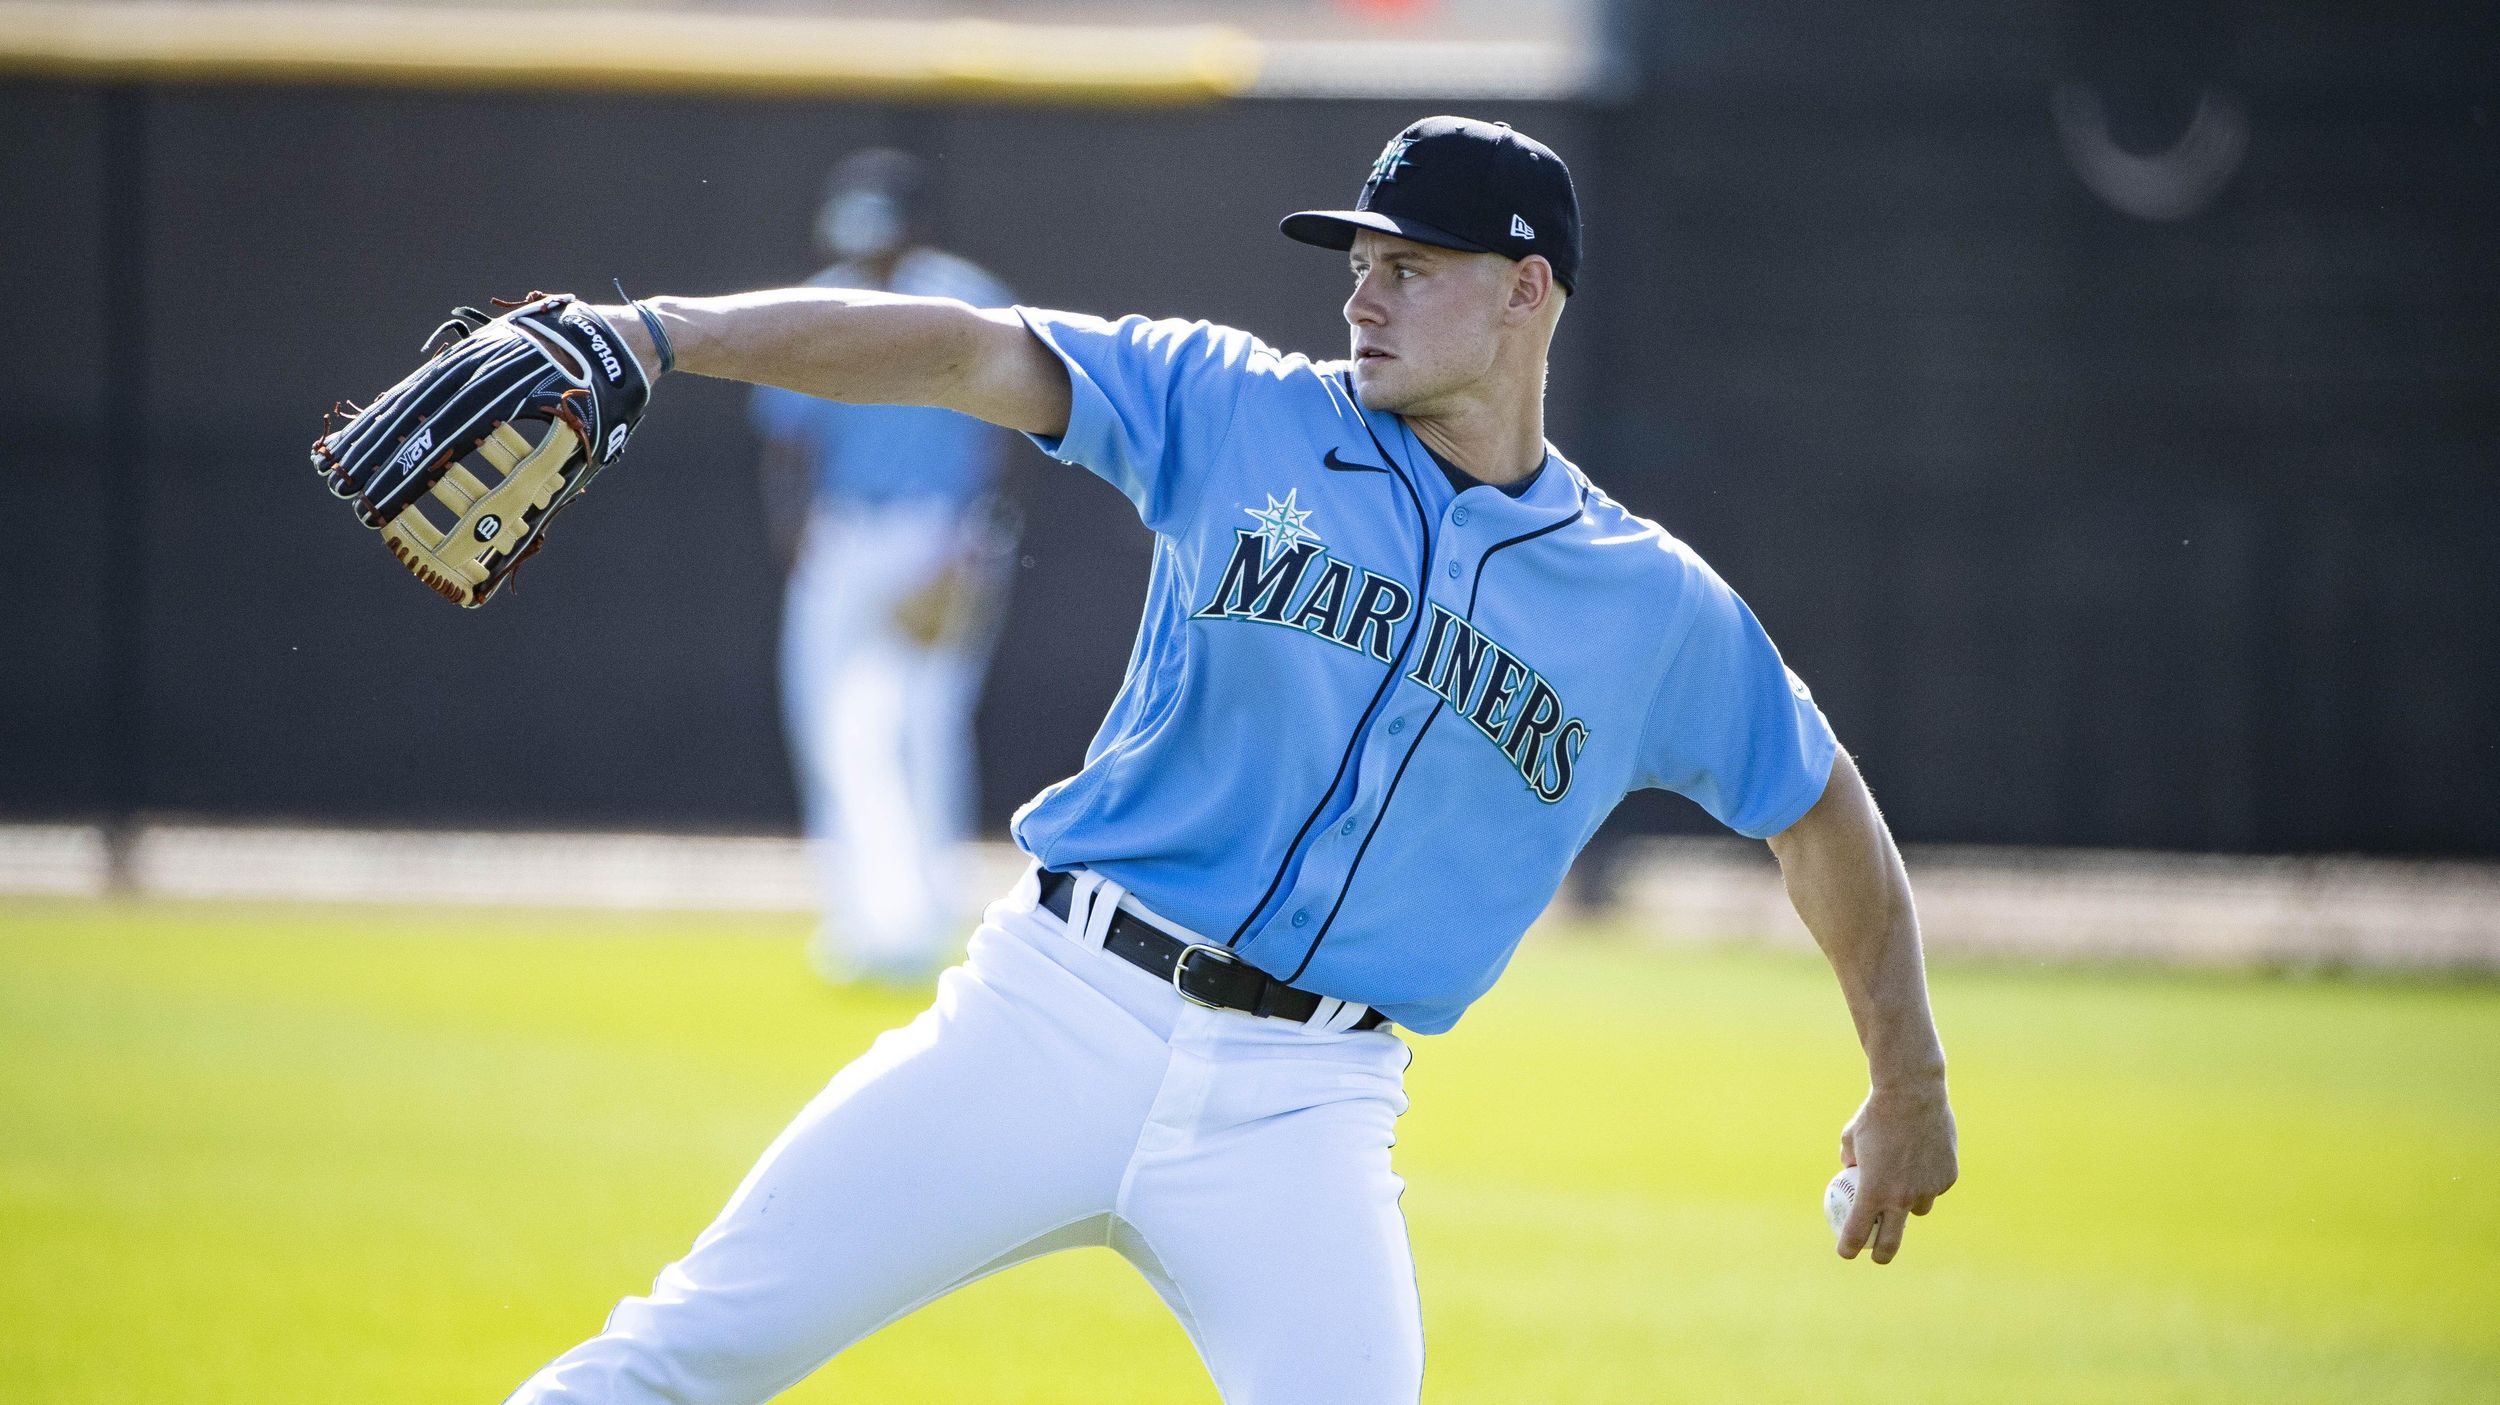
1554 498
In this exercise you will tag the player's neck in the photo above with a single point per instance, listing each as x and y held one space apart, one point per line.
1495 434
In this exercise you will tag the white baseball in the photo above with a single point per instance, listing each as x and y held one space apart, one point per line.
1840 1197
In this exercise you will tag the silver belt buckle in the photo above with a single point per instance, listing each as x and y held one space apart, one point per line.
1180 963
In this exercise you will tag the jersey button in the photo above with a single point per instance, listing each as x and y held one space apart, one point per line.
1453 570
1459 517
1346 828
1302 917
1396 725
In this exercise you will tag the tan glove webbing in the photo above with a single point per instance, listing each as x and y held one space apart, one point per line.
490 521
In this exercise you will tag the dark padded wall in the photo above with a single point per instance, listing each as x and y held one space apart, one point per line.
297 244
2087 530
52 448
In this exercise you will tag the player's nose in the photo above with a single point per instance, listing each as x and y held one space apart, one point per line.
1362 307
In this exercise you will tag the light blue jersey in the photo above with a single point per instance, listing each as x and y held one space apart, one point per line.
1370 720
871 454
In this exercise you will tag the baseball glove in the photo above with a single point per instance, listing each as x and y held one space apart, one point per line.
462 465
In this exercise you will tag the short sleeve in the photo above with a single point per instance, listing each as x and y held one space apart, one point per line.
1149 403
1730 728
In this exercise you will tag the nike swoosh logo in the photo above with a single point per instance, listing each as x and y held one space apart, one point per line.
1341 466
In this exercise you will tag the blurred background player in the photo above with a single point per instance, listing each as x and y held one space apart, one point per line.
887 526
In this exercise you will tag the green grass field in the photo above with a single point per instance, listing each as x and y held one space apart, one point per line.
260 1155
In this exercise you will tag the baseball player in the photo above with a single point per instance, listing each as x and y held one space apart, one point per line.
1398 660
895 561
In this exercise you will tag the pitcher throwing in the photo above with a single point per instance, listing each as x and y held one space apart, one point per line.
1399 659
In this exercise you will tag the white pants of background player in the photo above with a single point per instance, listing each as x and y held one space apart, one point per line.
1056 1096
880 726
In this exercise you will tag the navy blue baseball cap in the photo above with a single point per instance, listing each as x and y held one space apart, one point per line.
1458 183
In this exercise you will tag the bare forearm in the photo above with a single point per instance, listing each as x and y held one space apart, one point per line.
1847 883
843 344
1846 880
863 348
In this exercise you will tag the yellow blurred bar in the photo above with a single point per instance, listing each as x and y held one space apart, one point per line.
559 47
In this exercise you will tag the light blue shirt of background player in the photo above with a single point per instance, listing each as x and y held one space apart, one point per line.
1371 718
874 455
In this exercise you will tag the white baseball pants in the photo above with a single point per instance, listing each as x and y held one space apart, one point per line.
880 726
1056 1096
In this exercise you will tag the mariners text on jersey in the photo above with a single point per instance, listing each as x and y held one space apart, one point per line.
1370 718
1351 606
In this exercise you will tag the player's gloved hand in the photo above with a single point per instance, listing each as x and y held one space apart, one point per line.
1904 1145
503 425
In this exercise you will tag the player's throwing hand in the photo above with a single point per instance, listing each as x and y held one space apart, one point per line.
1903 1144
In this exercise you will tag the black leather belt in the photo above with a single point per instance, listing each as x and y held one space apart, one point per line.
1204 973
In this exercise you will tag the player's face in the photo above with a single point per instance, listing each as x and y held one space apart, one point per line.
1426 322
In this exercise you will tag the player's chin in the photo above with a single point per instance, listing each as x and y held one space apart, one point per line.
1382 385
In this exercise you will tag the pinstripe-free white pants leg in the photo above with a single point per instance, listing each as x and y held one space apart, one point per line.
1055 1097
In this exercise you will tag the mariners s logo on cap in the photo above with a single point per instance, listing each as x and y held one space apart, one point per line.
1392 160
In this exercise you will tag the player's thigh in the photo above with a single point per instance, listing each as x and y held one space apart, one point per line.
982 1127
1283 1248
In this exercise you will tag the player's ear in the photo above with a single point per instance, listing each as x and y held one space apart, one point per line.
1532 288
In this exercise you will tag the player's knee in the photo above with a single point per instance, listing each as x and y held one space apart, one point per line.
694 1350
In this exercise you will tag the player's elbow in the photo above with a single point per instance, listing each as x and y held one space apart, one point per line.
1005 375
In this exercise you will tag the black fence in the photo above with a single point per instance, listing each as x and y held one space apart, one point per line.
2089 528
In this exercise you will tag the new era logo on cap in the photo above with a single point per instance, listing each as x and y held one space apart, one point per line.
1521 229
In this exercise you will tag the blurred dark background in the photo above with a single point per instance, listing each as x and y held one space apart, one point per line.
2099 402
